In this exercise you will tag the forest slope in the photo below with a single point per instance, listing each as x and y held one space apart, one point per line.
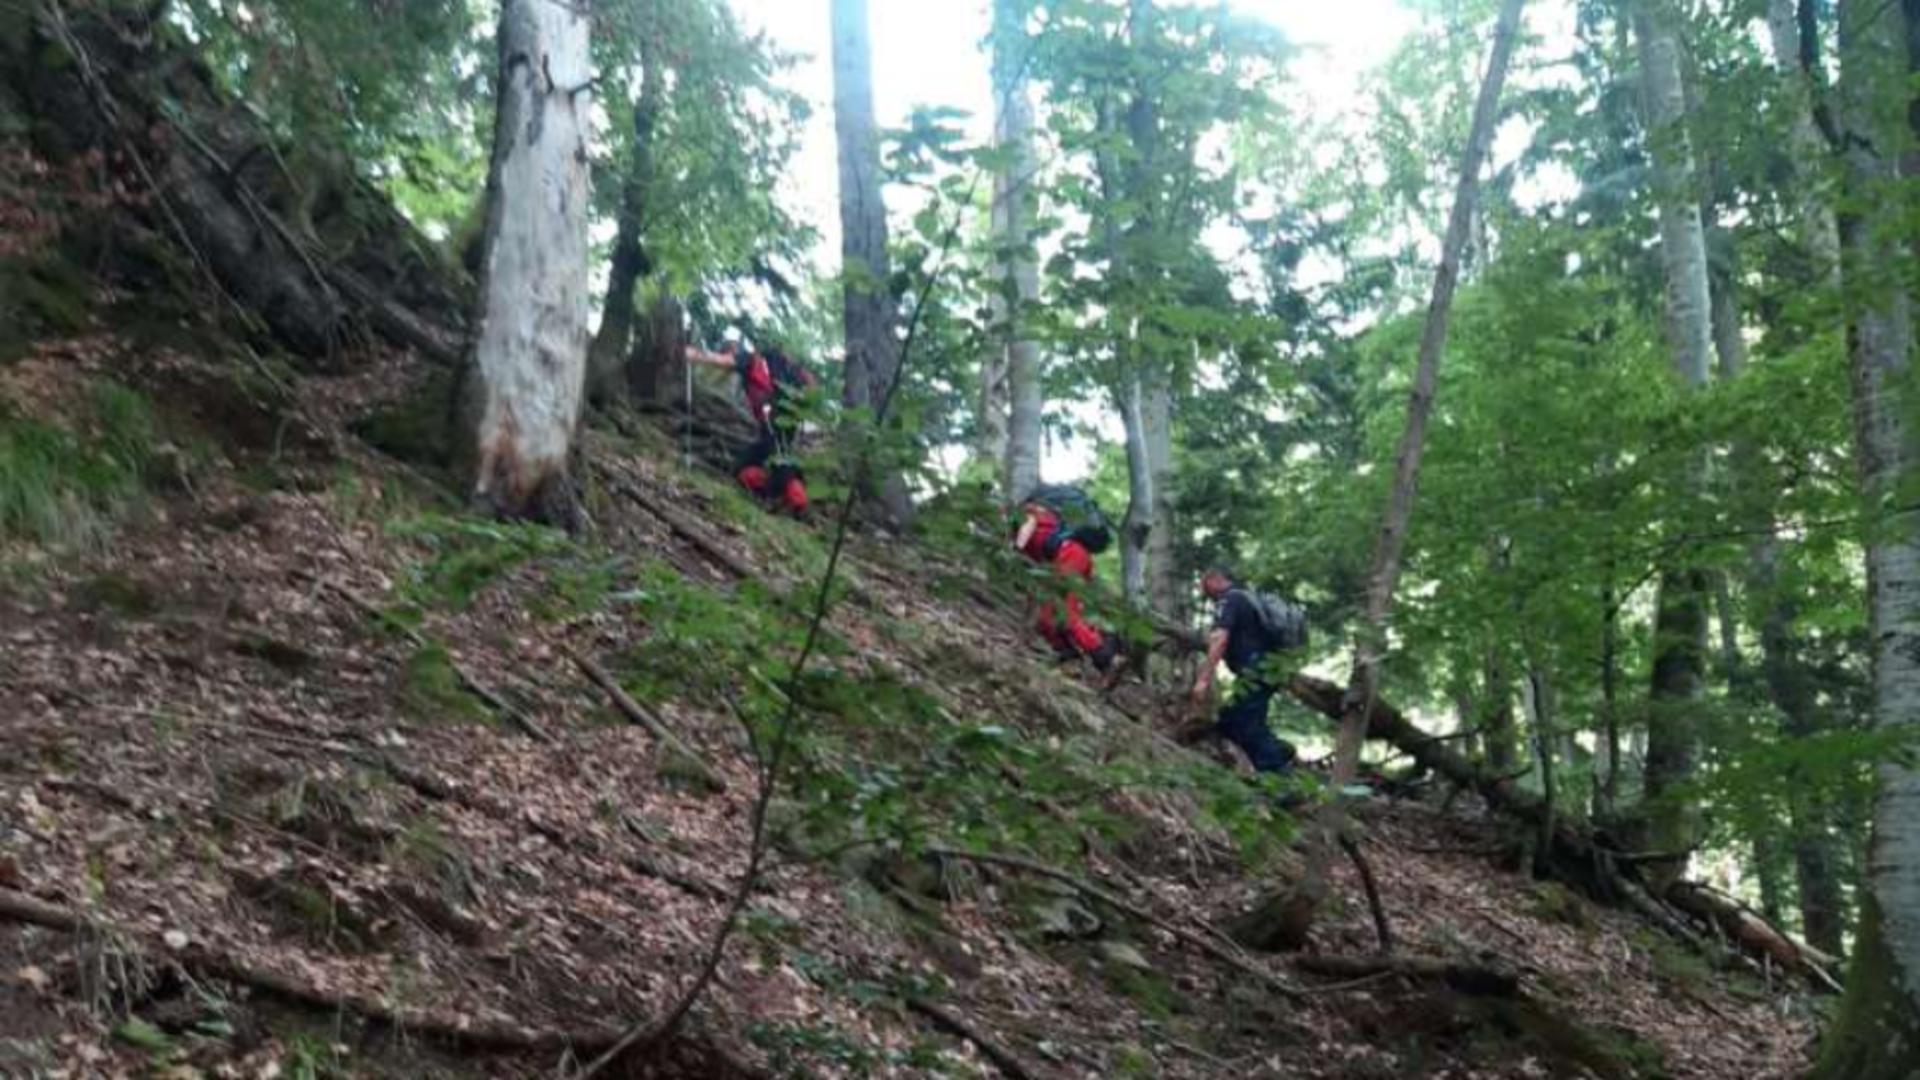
292 746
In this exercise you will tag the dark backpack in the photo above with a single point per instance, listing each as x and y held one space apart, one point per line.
1283 621
1080 518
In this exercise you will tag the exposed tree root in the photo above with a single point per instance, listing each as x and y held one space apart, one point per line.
1382 930
1002 1058
1486 980
210 962
1118 903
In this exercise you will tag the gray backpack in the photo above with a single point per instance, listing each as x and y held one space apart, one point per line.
1284 621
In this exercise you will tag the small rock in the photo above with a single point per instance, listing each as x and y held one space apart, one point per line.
175 939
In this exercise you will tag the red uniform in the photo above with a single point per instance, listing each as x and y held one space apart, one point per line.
1070 559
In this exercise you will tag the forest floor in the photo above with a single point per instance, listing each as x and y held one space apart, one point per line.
261 757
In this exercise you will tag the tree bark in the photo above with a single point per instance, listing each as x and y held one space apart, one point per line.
1297 915
1819 231
1680 620
1014 203
1137 528
1877 1033
873 348
1165 588
607 358
529 366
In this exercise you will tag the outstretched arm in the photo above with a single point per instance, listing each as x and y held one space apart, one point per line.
1216 649
698 355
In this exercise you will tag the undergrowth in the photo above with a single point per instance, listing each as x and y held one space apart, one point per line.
68 487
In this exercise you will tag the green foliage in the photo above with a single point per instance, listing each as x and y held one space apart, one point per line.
469 554
68 486
431 690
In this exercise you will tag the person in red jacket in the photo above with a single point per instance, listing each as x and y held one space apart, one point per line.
769 379
1040 538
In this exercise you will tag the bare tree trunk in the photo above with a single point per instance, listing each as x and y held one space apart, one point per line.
1013 195
608 356
1877 1034
1496 717
1165 589
1607 785
522 395
1294 914
1138 525
1680 620
1819 231
873 349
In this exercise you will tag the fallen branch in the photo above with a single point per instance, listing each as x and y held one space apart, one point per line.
646 718
1482 980
1002 1058
468 681
1118 903
209 962
681 527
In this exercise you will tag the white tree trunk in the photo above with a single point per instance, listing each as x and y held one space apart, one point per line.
1680 621
1819 231
1878 1032
529 365
1016 370
873 349
1683 244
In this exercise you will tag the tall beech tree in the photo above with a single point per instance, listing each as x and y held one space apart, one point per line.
1877 1035
529 360
1284 920
868 309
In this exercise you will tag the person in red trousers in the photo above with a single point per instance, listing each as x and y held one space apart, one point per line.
1043 537
770 380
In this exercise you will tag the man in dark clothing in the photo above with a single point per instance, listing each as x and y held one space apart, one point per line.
769 379
1240 637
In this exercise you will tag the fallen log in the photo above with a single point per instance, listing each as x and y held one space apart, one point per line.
1747 929
1576 857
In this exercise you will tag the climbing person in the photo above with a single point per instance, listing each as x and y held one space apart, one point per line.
770 380
1248 628
1061 526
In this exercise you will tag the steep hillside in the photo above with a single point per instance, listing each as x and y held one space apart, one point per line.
311 775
